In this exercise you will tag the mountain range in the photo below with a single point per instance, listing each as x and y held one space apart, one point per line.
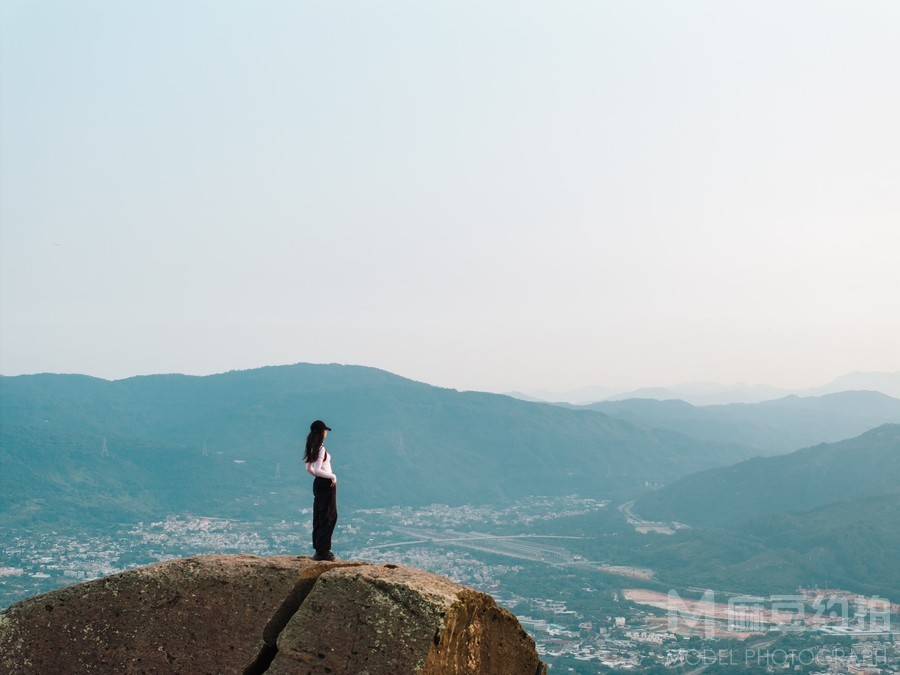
73 446
766 428
713 393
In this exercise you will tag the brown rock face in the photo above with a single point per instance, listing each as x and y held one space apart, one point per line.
202 614
401 620
246 614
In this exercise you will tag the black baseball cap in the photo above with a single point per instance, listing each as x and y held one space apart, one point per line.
319 425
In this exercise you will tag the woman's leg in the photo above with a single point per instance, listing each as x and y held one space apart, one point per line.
330 517
321 505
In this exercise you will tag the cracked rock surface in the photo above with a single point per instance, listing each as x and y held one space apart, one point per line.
280 614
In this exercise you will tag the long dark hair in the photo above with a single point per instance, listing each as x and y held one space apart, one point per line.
313 442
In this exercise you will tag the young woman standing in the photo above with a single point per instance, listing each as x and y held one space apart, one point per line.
318 465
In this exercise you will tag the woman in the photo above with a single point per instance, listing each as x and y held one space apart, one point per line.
318 464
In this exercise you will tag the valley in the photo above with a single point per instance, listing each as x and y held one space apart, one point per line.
634 538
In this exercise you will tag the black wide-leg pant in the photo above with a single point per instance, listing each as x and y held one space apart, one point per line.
324 513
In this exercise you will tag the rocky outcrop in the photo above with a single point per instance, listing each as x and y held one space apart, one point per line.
249 614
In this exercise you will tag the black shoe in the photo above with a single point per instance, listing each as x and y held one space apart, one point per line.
328 555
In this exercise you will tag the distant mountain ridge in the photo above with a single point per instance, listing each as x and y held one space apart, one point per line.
702 393
712 393
885 382
770 427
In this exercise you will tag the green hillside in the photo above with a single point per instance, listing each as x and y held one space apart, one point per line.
231 444
851 545
865 466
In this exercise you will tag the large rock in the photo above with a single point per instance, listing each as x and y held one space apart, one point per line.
201 614
402 621
247 614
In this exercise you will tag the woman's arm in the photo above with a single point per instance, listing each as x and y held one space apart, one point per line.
315 468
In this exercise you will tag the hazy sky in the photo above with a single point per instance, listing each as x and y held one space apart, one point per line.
482 195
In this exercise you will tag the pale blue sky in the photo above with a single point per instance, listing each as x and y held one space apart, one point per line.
491 195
